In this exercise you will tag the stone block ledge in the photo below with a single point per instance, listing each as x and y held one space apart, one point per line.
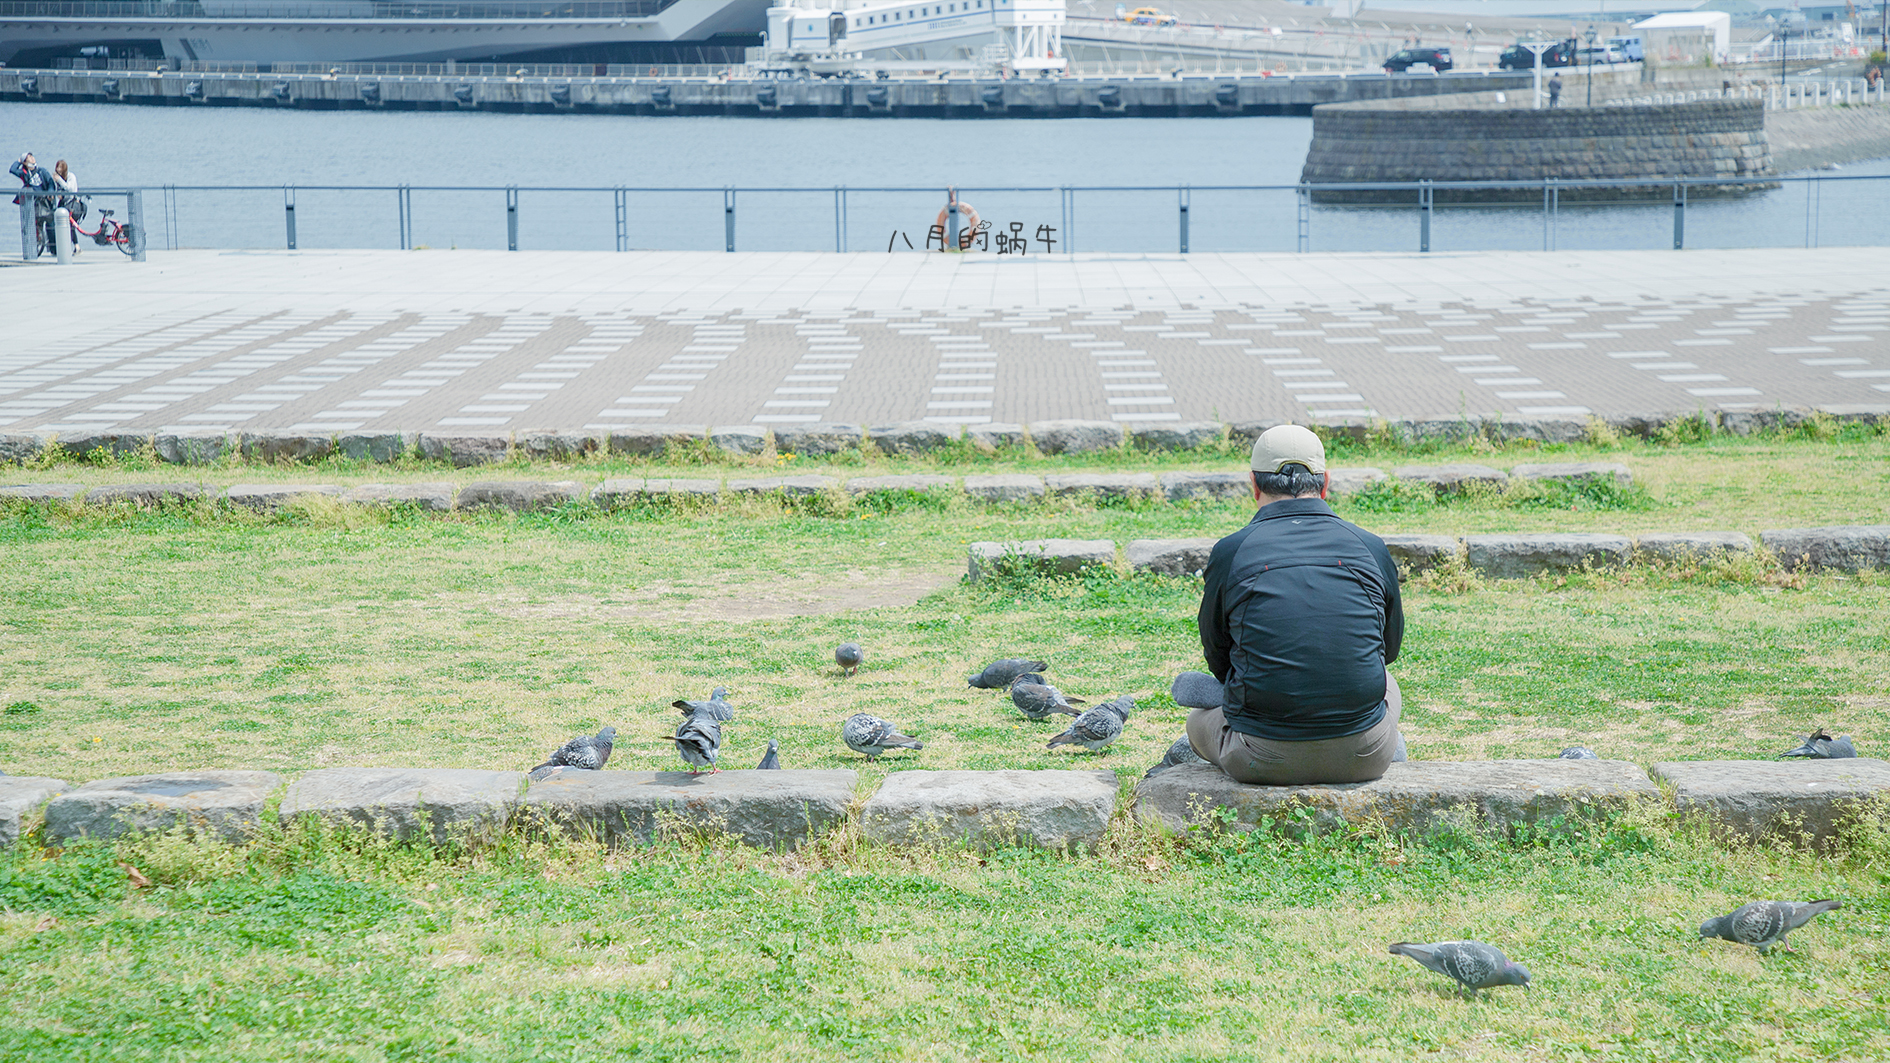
226 805
1809 801
766 809
1047 809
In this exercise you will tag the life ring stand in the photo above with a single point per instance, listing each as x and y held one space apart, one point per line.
967 223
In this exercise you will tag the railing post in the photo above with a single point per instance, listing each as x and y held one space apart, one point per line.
728 218
1679 216
1184 197
288 212
951 219
403 196
839 240
1424 216
134 211
620 203
511 218
1304 195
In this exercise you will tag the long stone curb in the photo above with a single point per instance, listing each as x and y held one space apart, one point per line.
192 447
1847 549
1810 802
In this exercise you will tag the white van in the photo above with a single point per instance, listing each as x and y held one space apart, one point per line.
1630 47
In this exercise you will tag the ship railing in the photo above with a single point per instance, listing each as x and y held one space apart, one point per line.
349 10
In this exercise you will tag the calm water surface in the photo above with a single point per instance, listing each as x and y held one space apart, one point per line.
152 147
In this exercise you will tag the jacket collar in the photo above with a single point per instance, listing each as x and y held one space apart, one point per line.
1293 507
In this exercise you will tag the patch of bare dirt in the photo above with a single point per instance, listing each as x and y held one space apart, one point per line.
773 599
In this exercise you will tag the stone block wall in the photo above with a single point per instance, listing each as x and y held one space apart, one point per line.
1361 142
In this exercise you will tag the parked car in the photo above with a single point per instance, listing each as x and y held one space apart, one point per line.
1148 16
1435 58
1600 53
1630 46
1516 57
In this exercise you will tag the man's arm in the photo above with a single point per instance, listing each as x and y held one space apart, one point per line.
1394 601
1216 644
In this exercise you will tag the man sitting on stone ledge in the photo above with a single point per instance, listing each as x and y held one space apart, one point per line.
1299 618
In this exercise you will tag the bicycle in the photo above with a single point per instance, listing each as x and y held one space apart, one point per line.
112 233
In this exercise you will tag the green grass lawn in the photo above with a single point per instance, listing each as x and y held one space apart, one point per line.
198 638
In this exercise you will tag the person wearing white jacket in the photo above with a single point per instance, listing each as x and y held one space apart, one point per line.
68 182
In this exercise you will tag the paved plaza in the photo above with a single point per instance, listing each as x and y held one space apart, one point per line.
496 342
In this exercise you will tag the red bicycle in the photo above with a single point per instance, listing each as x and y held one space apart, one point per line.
111 233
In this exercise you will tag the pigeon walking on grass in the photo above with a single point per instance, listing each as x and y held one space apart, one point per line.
1578 753
848 656
585 752
1040 701
771 760
716 708
1096 728
1182 752
872 736
999 675
1821 746
1472 963
1763 924
698 740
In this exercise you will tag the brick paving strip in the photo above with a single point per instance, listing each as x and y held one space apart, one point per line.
1203 338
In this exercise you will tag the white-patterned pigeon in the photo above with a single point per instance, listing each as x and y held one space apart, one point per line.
1039 701
1763 924
1578 753
771 760
1182 752
1096 728
716 708
1472 963
585 752
999 675
848 656
1821 746
872 736
699 740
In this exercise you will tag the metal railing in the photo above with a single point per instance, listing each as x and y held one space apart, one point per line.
351 10
1787 96
1061 219
37 211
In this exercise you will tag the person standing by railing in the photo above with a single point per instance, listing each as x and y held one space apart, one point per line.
39 179
68 182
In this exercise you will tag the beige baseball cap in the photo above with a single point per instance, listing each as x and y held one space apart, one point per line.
1288 444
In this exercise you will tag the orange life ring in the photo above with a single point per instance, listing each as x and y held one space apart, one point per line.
967 223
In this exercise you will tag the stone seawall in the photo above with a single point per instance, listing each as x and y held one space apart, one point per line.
1379 142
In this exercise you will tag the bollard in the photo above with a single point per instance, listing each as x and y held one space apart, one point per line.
951 221
1679 217
1184 221
134 224
728 218
1424 217
511 218
62 236
288 214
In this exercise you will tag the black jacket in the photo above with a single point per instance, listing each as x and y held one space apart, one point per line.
1299 617
39 178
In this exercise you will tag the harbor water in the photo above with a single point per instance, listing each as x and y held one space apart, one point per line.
544 155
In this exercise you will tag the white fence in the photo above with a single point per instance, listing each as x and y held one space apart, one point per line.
1789 96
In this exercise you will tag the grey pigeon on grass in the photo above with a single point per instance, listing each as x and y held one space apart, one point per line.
1763 924
872 736
771 760
699 741
1578 753
1472 963
716 708
999 675
585 752
1039 701
1821 746
1182 752
1096 728
848 656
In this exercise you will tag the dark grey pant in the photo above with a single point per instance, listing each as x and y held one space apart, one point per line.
1243 758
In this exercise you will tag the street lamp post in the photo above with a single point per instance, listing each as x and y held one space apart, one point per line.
1784 40
1590 37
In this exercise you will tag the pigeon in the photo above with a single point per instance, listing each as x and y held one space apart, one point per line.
1031 677
872 736
771 760
848 656
1763 924
1182 752
1821 746
716 708
1040 702
1472 963
1001 674
587 752
698 739
1578 753
1096 728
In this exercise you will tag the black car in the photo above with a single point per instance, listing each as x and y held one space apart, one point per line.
1516 57
1438 58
